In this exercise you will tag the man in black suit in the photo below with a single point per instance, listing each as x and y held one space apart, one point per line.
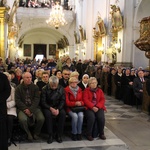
65 78
4 94
138 86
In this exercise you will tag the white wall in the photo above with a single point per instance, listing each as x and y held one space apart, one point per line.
142 10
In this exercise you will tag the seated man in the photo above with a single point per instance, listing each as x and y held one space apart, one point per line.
44 81
27 101
53 101
138 86
65 78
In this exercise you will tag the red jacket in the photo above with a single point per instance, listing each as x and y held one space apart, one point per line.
88 95
70 98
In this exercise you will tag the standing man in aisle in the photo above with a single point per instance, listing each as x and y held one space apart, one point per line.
4 94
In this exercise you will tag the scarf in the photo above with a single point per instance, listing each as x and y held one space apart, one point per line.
94 98
74 90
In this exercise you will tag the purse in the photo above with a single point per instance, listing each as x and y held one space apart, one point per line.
78 109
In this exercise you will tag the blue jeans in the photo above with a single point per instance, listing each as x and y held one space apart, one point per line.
77 121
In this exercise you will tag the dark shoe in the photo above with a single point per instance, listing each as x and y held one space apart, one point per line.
74 137
30 138
89 137
50 139
79 137
103 137
9 142
58 138
36 137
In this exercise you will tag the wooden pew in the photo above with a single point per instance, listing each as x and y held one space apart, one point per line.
146 100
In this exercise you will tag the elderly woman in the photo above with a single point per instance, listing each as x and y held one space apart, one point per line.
94 100
74 98
11 110
74 74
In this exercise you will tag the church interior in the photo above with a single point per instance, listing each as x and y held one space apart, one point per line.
114 32
105 31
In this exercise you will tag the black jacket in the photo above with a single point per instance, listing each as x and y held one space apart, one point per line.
4 94
53 98
63 83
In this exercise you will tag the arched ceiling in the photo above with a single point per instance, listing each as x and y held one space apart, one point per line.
53 34
142 10
33 22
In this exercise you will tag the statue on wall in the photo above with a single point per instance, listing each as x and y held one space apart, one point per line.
3 3
116 18
81 33
66 40
75 37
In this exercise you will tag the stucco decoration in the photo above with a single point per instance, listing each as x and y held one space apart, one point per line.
143 43
116 18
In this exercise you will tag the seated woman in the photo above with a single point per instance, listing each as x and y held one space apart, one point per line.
94 100
84 83
74 98
11 110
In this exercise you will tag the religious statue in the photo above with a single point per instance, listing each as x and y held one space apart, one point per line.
81 33
75 37
3 3
117 23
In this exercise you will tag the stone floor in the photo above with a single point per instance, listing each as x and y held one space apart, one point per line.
126 128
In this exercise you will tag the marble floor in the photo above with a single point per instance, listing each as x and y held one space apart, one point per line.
119 119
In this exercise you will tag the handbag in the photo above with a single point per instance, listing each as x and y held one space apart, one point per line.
78 108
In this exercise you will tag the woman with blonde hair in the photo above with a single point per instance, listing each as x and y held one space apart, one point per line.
74 98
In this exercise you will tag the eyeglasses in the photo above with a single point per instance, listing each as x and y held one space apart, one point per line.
74 82
94 83
66 74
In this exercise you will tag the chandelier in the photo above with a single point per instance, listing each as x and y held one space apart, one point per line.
56 18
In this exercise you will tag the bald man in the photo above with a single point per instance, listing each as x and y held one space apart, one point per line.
27 101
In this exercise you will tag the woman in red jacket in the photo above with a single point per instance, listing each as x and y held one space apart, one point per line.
74 98
94 100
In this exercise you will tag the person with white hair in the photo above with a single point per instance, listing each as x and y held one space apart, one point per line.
74 74
74 99
11 110
52 102
94 100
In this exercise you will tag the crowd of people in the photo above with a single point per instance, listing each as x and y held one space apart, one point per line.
45 92
42 3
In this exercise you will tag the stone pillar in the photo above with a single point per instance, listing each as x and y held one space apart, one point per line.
2 34
71 51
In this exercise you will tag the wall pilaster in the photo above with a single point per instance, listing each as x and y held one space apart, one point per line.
2 34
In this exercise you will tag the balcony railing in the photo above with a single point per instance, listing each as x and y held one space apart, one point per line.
43 3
